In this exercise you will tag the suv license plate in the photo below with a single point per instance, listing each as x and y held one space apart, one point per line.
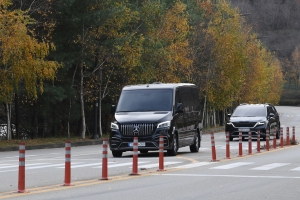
244 129
140 144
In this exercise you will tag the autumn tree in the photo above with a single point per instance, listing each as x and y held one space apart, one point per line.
23 58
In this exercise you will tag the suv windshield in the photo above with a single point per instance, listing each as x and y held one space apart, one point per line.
247 111
145 100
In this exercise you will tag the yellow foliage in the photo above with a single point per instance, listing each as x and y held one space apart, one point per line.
22 56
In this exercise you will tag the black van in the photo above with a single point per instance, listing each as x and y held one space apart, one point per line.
150 110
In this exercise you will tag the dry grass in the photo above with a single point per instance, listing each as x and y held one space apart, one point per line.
43 141
278 143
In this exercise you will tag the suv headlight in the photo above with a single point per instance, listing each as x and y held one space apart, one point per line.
229 124
165 124
259 123
114 126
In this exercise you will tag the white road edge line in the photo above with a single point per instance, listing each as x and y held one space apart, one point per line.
233 176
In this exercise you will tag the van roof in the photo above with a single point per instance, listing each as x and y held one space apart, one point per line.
157 85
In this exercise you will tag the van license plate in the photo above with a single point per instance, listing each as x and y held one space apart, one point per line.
140 144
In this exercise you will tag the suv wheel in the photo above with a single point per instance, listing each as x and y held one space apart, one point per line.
278 132
195 147
173 151
117 153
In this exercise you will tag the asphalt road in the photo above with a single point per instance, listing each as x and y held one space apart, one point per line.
188 175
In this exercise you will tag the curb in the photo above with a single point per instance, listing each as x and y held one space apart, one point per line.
50 146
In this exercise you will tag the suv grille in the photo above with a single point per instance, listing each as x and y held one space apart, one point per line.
137 129
244 124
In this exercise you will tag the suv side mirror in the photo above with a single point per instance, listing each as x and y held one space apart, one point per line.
271 115
179 108
113 109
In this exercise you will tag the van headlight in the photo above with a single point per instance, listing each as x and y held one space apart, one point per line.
114 126
165 124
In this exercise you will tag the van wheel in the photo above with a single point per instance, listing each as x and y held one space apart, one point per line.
173 151
195 147
117 153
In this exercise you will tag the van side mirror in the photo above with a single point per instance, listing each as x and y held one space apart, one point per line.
113 109
179 108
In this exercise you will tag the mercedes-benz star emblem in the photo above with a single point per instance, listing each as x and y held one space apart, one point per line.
136 130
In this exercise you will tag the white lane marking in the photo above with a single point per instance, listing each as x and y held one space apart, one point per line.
16 167
194 165
121 164
11 166
157 164
45 166
232 165
32 155
84 165
233 176
296 169
8 166
270 166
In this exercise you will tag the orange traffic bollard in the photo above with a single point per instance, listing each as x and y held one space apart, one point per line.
135 157
267 140
240 144
227 146
161 153
21 180
104 160
67 181
213 147
258 141
288 136
249 143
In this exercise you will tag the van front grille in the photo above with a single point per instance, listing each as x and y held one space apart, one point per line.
137 129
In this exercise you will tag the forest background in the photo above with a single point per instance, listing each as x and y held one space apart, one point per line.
63 63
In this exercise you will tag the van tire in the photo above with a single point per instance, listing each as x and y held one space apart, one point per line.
117 153
173 151
195 147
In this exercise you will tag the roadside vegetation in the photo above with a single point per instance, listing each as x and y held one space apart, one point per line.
65 61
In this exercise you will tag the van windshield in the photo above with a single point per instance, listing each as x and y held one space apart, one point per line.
145 100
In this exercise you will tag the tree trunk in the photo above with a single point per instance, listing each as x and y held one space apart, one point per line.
100 102
8 125
82 103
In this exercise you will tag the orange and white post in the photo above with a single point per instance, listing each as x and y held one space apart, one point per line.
67 181
288 136
249 143
104 160
274 138
294 136
281 137
240 144
227 146
21 180
135 157
267 141
213 147
161 153
258 141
